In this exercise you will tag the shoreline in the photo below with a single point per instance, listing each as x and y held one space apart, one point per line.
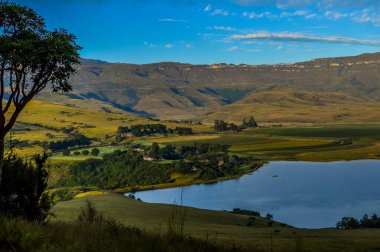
187 183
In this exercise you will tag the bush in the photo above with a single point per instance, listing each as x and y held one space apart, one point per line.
85 152
89 215
66 152
23 189
348 223
95 152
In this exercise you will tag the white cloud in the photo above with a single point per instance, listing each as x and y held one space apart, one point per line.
207 8
222 28
252 15
367 16
236 48
169 46
310 16
336 15
318 3
220 12
171 20
151 45
233 48
301 37
295 13
268 14
317 27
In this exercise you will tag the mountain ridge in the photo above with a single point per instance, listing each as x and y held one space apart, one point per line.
171 90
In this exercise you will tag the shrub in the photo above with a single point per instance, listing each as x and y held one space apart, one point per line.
23 189
66 152
95 152
89 215
348 223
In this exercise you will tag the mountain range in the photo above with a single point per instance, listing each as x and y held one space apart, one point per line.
344 89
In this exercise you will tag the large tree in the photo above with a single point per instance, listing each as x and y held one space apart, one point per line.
31 58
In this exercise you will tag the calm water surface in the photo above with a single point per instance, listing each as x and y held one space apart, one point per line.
302 194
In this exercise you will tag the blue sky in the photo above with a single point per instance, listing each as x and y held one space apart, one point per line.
206 32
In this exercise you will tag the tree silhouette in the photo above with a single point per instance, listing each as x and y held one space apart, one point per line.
31 58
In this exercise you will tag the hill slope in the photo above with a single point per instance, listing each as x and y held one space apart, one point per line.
222 227
290 105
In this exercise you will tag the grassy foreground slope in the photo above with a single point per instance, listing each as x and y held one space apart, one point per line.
223 227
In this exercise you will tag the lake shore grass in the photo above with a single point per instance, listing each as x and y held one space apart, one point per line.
221 227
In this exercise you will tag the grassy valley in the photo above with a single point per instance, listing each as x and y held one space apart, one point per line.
295 124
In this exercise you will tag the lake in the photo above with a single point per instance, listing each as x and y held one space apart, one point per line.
302 194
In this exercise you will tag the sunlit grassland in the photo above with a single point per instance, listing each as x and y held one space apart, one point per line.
93 123
90 193
42 121
223 227
318 143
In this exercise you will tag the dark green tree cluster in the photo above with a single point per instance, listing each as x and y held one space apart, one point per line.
120 169
365 222
95 152
221 126
152 129
144 129
251 123
245 212
77 140
183 131
168 152
129 168
23 191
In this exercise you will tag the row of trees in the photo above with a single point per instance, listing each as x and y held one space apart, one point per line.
221 126
365 222
93 152
170 152
77 140
152 129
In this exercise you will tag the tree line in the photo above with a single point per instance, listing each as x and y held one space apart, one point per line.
153 129
76 140
221 126
364 222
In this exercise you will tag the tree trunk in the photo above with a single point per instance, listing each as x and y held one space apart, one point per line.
2 147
